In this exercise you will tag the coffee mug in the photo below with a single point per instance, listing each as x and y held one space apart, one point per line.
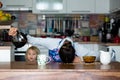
43 59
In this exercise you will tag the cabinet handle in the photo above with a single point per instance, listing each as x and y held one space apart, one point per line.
15 6
81 11
48 11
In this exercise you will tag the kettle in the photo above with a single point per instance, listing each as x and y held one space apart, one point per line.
106 57
19 40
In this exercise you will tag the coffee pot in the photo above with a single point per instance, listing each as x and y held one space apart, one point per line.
19 40
106 57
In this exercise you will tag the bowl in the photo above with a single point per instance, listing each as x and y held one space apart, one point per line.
89 59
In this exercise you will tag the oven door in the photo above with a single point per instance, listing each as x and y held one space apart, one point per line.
19 55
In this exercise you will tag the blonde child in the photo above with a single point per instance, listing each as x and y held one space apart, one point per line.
31 55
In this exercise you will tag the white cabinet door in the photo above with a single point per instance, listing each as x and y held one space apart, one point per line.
5 54
114 5
102 6
117 52
80 6
49 6
16 4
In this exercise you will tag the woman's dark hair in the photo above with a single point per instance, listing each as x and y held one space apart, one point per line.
67 53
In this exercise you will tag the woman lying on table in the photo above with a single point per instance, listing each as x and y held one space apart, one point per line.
60 50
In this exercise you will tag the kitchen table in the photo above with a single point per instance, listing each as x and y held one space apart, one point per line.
59 71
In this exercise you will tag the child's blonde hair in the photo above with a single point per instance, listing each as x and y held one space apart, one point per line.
33 48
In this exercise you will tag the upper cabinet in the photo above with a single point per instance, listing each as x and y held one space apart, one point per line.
16 4
80 6
114 5
102 6
49 6
63 6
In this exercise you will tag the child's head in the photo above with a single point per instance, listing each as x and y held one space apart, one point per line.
31 53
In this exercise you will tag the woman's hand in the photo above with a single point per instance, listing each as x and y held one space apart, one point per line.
12 31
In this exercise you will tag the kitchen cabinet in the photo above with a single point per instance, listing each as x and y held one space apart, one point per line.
5 53
49 6
80 6
114 5
16 4
102 6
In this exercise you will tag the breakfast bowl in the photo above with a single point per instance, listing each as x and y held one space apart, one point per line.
89 59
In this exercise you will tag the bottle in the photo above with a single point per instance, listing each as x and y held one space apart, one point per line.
106 35
114 28
100 34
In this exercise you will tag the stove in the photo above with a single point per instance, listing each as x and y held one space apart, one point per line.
19 53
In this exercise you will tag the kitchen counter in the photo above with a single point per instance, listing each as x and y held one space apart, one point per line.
60 71
5 47
5 44
100 43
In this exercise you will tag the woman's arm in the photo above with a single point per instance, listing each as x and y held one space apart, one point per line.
49 43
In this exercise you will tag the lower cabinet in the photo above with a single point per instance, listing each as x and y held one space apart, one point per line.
5 54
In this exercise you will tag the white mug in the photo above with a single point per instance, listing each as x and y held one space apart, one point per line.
105 57
43 59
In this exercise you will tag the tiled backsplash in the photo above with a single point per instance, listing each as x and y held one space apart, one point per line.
37 25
